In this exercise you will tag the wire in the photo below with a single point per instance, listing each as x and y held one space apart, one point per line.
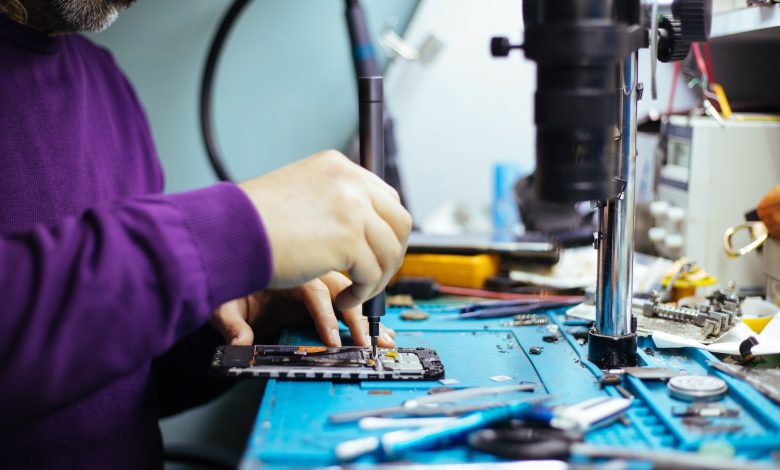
673 91
207 88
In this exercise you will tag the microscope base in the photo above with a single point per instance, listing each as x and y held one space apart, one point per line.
611 352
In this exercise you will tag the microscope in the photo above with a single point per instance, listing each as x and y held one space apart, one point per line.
586 122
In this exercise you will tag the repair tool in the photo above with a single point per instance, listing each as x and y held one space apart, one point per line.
519 307
576 418
370 111
541 444
766 381
584 416
398 442
432 400
462 309
706 410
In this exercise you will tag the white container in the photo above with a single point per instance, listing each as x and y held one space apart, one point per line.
771 265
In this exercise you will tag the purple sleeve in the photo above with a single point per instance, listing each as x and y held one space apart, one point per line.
97 297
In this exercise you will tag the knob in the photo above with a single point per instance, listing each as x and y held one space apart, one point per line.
672 43
696 18
500 46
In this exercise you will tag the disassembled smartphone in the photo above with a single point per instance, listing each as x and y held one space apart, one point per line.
346 363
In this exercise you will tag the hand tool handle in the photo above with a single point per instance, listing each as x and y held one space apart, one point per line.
372 147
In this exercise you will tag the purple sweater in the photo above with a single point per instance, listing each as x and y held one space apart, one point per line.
99 272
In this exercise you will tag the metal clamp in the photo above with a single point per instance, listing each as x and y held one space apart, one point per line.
758 234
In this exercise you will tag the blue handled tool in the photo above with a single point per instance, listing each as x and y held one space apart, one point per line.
397 442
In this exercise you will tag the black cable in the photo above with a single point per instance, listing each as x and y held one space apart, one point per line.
207 86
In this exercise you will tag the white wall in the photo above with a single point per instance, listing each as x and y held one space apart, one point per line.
466 110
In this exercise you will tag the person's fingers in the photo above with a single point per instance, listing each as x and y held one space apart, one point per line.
366 273
229 321
317 299
379 183
394 215
387 249
386 337
358 328
354 318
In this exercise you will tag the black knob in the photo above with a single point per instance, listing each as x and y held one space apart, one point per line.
500 46
672 43
696 18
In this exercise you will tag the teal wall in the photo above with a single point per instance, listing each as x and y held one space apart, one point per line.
284 88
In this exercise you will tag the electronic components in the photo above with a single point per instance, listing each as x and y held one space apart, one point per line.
716 315
327 363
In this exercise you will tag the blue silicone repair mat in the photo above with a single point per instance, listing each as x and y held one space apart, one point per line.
292 427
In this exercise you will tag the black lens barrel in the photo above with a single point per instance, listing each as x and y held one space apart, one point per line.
577 45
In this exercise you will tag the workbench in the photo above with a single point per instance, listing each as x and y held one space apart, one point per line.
292 427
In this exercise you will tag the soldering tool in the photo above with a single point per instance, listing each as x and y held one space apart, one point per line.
372 150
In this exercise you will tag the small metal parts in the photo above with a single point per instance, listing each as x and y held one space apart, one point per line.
609 379
650 373
536 350
527 319
414 315
697 387
746 348
400 300
706 410
716 315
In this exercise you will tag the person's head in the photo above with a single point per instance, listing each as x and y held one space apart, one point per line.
64 16
88 15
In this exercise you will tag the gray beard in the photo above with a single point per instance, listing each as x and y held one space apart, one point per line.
88 15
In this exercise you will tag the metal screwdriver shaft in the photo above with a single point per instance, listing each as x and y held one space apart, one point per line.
372 147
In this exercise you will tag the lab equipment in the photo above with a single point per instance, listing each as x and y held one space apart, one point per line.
586 102
711 177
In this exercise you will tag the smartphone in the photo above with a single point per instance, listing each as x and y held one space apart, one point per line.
346 363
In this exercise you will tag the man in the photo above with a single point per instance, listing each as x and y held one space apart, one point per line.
101 274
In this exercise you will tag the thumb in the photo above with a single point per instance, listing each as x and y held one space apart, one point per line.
229 321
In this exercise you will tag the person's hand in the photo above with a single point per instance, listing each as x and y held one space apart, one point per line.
325 213
233 319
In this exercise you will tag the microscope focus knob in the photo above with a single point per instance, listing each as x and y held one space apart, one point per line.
500 46
672 43
696 18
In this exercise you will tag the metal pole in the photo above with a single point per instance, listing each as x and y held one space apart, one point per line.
614 343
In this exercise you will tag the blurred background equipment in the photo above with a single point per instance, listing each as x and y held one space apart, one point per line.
712 175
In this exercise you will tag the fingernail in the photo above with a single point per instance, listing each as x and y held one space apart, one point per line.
335 336
387 338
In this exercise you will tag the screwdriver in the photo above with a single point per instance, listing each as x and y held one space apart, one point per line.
372 148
